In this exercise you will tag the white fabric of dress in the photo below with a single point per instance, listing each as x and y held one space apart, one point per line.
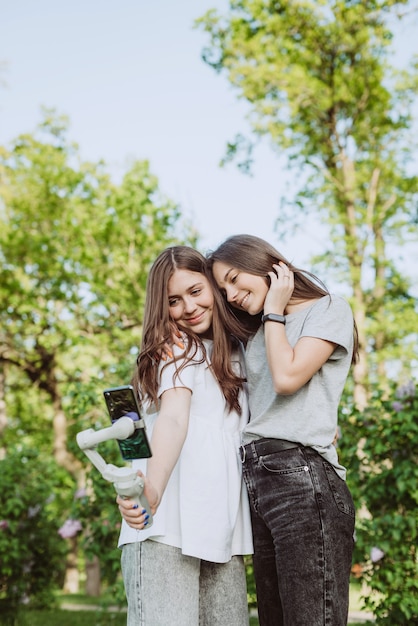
204 510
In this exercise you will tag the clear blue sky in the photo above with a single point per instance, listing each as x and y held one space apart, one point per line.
130 77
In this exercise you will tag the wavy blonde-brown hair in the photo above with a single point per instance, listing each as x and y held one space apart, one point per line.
158 329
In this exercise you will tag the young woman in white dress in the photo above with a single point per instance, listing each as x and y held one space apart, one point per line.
187 567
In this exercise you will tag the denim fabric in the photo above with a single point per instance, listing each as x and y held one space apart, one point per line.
303 524
164 587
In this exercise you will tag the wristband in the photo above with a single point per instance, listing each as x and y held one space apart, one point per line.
273 317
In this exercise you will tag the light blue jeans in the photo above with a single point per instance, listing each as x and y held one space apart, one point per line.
165 588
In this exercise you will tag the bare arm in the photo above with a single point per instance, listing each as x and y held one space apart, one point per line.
169 434
290 367
168 437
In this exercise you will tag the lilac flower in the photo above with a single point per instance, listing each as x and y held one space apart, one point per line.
406 391
397 406
4 524
80 493
70 528
376 554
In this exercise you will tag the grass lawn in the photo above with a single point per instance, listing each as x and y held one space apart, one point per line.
59 617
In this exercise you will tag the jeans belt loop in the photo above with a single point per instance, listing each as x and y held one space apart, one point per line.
242 453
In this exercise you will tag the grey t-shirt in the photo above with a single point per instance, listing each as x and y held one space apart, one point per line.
309 416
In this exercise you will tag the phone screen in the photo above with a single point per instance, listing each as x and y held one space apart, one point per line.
120 402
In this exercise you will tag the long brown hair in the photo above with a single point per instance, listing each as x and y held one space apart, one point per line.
158 329
255 256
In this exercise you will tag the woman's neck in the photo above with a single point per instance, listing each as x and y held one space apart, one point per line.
295 305
207 334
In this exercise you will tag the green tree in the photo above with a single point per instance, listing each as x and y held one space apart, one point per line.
75 250
319 83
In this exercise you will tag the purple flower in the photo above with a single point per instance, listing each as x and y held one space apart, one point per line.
70 528
376 554
80 493
397 406
406 391
4 524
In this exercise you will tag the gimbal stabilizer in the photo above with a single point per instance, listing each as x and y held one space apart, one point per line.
126 481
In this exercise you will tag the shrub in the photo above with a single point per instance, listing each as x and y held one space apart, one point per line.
380 447
99 515
31 551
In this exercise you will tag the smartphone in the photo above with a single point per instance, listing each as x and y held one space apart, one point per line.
120 402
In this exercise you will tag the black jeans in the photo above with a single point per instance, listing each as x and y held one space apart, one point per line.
303 524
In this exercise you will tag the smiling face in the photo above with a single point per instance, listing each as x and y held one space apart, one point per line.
244 291
191 301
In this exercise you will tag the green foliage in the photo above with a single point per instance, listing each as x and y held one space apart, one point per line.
31 551
380 448
319 85
75 251
99 514
96 509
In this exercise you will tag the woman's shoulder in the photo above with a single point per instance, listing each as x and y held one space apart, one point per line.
335 303
193 352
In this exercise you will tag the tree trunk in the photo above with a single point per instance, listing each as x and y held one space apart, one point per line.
3 414
68 461
354 252
360 372
63 457
93 577
72 578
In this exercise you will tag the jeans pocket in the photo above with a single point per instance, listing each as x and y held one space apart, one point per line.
340 491
280 463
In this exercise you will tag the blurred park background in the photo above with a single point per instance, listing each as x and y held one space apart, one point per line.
125 128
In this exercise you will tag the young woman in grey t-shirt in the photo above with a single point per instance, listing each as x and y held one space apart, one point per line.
300 342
